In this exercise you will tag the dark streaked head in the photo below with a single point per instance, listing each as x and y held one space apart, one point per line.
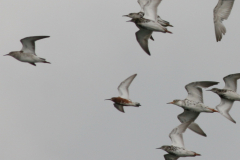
215 90
134 15
10 54
164 147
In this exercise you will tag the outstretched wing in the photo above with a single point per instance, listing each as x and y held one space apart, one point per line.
143 36
187 116
170 157
142 4
176 134
29 43
224 108
119 107
231 81
123 87
221 12
195 91
150 9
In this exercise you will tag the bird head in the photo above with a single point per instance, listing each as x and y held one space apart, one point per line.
213 90
164 147
10 54
177 102
134 15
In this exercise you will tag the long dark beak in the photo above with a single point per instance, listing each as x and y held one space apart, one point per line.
108 99
125 15
159 148
170 103
6 55
129 21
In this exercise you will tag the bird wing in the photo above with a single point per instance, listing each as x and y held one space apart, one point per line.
119 107
142 4
29 43
142 37
150 9
170 157
231 81
194 90
187 116
224 108
176 134
221 12
123 87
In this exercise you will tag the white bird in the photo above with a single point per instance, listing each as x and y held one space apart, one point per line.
177 148
27 54
140 14
193 104
123 99
228 95
150 17
221 12
148 23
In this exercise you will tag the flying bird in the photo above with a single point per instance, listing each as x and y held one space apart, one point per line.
221 12
140 14
177 148
123 99
147 21
228 95
27 54
193 104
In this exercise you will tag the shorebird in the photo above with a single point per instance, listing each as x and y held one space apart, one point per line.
193 104
177 148
140 14
221 12
27 54
228 95
123 99
148 23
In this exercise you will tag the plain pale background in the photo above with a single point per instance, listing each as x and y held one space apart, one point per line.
57 111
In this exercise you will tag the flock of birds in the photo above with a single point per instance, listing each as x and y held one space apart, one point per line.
148 22
193 105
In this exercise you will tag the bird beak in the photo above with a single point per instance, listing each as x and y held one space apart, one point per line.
6 55
129 21
170 26
170 103
108 99
159 148
125 15
214 110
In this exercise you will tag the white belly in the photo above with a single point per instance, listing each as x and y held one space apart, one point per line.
232 96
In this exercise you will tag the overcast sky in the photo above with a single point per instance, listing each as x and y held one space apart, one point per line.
57 111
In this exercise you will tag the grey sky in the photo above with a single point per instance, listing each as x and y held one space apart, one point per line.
57 111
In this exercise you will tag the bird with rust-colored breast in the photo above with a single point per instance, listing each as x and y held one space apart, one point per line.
123 99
